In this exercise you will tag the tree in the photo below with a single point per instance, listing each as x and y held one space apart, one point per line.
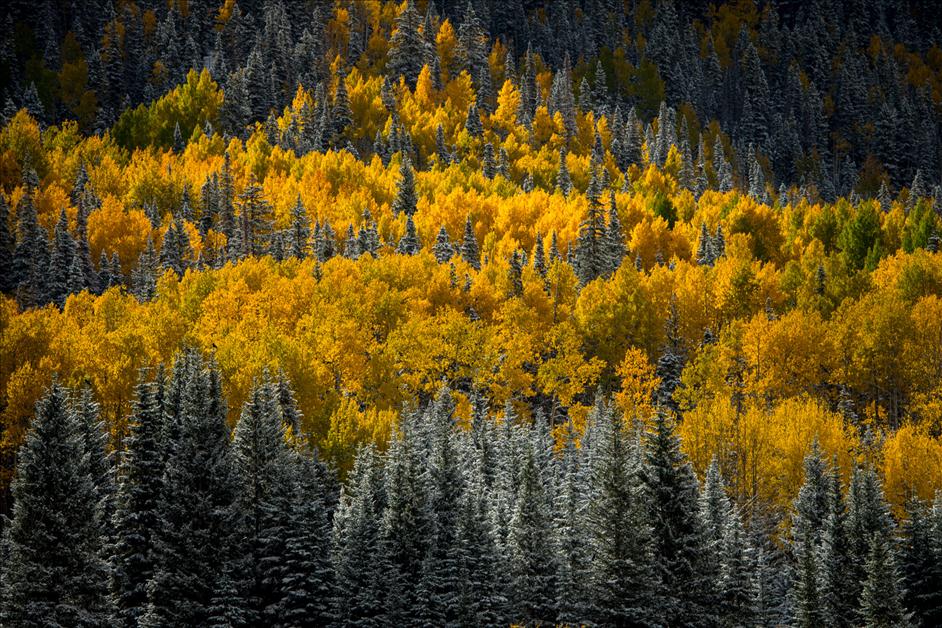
592 246
671 363
409 243
678 534
140 474
531 554
881 598
256 218
300 231
563 182
262 508
407 48
442 249
469 246
623 577
55 571
192 539
7 246
406 201
356 538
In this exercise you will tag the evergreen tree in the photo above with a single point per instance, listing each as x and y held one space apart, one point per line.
409 243
406 200
306 572
257 219
7 246
407 48
356 537
671 363
881 598
469 246
592 246
563 182
920 564
679 537
192 539
263 474
140 473
55 573
623 574
442 249
300 232
530 550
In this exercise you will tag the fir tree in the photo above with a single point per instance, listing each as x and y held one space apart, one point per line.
192 539
409 243
140 473
671 363
679 537
406 200
257 219
563 182
55 572
442 249
469 246
407 48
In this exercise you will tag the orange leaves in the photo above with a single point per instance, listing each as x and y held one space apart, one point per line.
114 229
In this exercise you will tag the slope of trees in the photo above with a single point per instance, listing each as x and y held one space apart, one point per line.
485 524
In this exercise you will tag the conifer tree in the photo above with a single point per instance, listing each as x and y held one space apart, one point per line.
407 48
192 539
356 537
409 243
442 249
406 200
7 246
262 508
300 232
530 550
256 219
563 182
55 573
623 577
469 246
140 473
671 363
679 537
592 246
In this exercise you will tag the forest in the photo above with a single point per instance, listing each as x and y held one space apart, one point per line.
484 312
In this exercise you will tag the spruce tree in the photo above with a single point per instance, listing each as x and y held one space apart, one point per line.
563 181
407 49
7 246
671 363
679 537
257 219
262 508
356 536
409 243
192 539
469 246
442 249
406 200
624 578
530 550
140 474
55 572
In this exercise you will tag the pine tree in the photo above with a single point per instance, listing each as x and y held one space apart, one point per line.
530 550
615 238
407 48
442 249
919 562
30 256
563 182
7 246
140 473
55 572
406 201
473 43
409 243
881 598
811 510
300 232
623 575
257 219
679 537
341 116
488 165
469 246
356 537
192 539
591 247
671 363
306 573
262 508
721 168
